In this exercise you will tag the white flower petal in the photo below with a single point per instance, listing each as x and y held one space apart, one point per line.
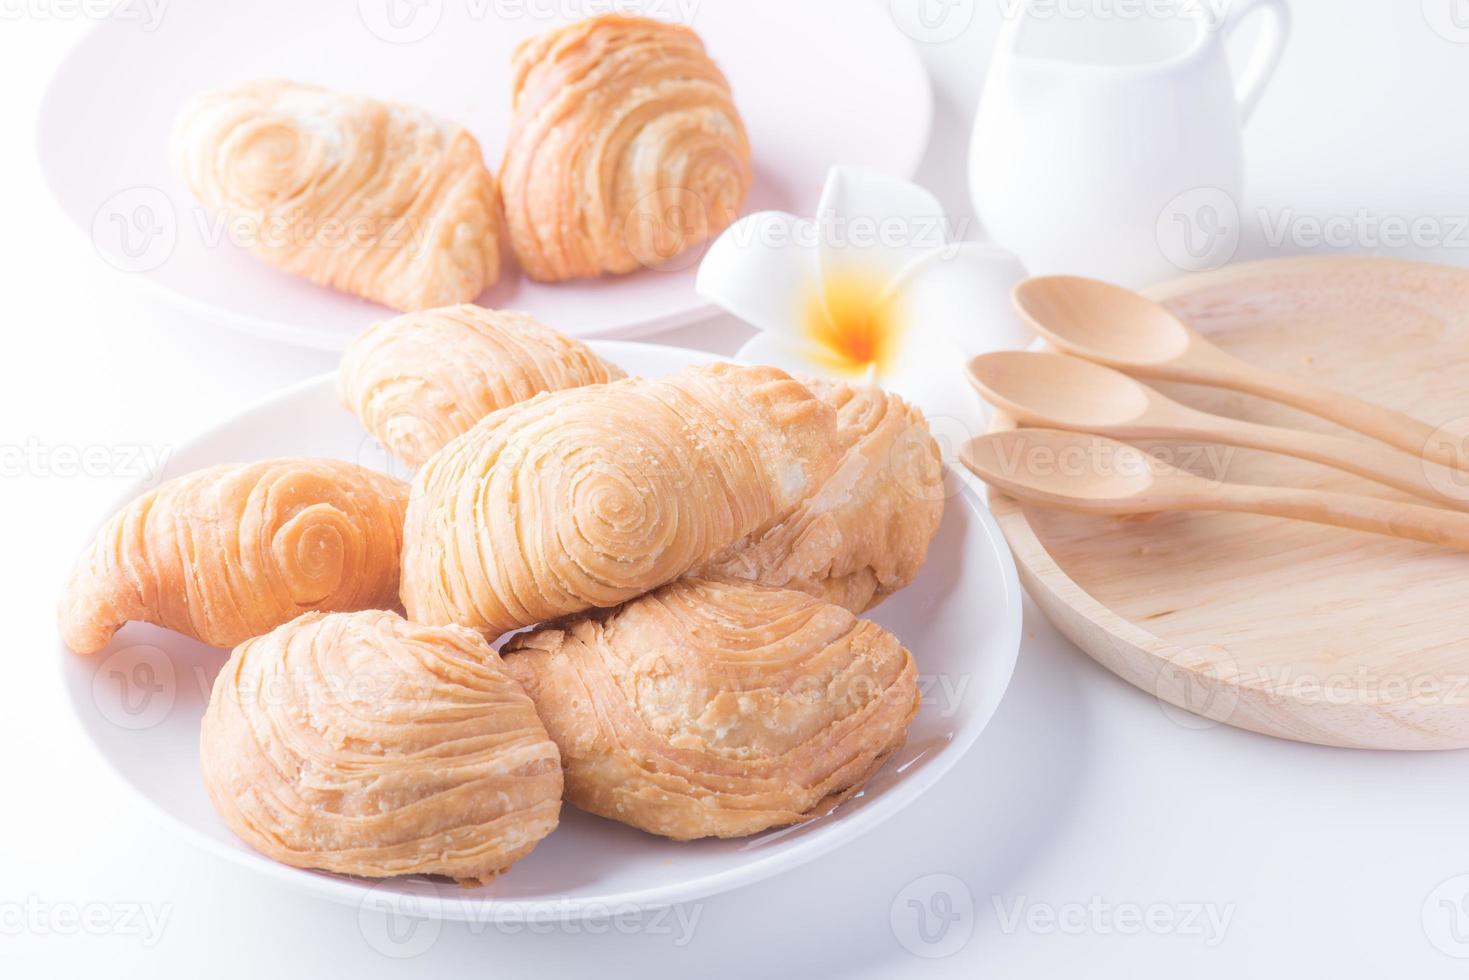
962 294
785 351
764 270
872 225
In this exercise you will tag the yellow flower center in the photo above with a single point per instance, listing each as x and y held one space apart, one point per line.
853 327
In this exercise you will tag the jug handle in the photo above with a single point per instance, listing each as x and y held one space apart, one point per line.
1268 48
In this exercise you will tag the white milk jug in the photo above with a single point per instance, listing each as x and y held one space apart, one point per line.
1107 141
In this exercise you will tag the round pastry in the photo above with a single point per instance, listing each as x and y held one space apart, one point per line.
717 708
865 534
377 199
364 744
591 496
421 379
233 551
625 148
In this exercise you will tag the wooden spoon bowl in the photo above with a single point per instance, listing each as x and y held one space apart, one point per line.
1294 629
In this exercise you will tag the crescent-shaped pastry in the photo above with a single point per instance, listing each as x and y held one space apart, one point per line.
717 708
233 551
364 744
625 148
590 496
421 379
376 199
865 534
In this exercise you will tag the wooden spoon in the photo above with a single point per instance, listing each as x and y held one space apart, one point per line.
1061 392
1097 475
1121 329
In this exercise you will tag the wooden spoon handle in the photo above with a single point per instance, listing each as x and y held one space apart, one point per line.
1372 461
1383 424
1412 521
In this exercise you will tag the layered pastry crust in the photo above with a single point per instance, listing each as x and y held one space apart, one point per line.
625 148
419 380
717 708
588 497
377 199
865 533
364 744
233 551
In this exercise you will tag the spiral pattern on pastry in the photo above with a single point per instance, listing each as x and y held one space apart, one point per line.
590 496
865 533
364 744
625 148
419 380
717 708
376 199
233 551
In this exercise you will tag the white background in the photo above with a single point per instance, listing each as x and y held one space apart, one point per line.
1086 808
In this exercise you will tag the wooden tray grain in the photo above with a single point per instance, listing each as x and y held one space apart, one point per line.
1285 628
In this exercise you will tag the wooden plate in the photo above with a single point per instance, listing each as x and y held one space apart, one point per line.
1290 629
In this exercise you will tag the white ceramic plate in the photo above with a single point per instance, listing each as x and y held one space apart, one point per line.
141 701
818 82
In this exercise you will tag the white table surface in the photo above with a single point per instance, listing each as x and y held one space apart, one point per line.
1090 832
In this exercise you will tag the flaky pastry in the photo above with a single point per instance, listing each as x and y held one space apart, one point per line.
590 496
865 533
377 199
717 708
365 744
625 148
233 551
421 379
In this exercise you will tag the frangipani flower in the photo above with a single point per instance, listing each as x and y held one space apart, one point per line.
871 290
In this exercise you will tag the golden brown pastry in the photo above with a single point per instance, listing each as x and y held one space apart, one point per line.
588 497
377 199
864 534
625 148
717 708
368 745
233 551
421 379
